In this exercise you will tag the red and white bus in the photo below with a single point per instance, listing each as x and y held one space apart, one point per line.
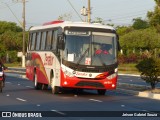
74 55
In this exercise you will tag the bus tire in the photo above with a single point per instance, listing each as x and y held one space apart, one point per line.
44 86
37 85
101 92
55 90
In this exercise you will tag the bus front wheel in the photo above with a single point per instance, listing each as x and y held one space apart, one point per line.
55 89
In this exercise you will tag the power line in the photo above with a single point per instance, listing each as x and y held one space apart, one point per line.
74 9
13 13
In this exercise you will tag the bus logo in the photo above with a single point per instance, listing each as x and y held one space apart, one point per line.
48 60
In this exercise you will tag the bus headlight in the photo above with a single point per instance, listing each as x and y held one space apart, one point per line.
112 76
1 74
70 74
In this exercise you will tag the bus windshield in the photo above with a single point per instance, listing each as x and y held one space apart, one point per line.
92 49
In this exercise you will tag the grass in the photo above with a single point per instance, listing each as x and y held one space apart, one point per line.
13 64
128 69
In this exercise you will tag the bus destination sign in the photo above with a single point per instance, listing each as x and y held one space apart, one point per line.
78 33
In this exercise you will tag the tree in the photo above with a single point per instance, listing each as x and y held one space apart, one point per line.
150 70
65 17
140 24
123 30
10 40
99 20
154 16
9 26
141 39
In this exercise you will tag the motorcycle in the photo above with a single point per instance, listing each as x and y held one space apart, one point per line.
2 78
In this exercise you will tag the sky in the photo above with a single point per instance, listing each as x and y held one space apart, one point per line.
118 12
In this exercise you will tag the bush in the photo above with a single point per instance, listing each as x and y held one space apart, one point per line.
132 58
150 70
13 56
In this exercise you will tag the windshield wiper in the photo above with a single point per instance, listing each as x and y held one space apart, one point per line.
82 56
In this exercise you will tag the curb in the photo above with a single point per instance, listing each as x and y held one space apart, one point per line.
146 94
149 95
16 75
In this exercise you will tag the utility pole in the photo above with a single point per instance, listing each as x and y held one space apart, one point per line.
23 26
89 11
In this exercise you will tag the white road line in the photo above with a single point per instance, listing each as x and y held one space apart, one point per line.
8 82
21 99
19 84
122 105
38 105
95 100
7 95
58 112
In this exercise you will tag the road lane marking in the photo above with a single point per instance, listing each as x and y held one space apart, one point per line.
19 84
38 105
95 100
7 95
8 82
122 105
21 99
58 112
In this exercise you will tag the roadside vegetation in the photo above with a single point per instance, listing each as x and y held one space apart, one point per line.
140 45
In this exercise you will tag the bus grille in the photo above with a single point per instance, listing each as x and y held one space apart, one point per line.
92 84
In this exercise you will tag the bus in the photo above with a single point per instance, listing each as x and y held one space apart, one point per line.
64 54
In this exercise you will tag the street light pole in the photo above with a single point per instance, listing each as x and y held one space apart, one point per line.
23 26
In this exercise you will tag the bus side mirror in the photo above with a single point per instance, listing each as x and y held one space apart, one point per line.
61 42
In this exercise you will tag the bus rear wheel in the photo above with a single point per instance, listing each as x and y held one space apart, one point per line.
101 92
37 85
44 86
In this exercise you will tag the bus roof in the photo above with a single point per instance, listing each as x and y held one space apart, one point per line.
72 24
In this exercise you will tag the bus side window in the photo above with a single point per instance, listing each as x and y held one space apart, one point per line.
30 41
54 40
33 41
43 41
38 40
48 40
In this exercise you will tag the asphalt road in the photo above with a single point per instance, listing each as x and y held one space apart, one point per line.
19 95
133 79
129 79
